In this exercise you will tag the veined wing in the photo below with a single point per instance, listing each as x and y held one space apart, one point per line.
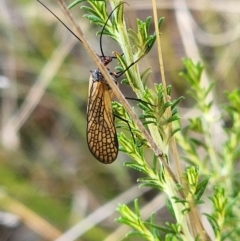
101 132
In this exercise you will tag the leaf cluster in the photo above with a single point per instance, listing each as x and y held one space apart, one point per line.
160 116
217 165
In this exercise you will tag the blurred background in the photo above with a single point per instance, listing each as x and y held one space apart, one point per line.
49 181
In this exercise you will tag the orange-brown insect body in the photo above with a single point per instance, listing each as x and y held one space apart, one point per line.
101 132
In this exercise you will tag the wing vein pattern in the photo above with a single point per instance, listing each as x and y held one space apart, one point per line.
101 132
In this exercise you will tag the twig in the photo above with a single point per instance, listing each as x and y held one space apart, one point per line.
117 92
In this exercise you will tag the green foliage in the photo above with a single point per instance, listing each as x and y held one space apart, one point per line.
147 230
217 218
135 221
211 154
203 167
193 189
231 150
159 115
216 164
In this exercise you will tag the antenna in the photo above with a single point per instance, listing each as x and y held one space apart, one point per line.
103 58
104 26
60 20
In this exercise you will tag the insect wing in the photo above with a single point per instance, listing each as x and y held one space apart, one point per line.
101 132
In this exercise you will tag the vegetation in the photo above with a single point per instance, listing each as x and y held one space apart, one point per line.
186 166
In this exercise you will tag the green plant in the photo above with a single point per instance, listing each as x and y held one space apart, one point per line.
160 117
45 166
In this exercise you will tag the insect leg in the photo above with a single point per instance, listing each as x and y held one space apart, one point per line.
139 100
122 119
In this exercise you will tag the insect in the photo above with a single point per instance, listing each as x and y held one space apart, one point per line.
101 132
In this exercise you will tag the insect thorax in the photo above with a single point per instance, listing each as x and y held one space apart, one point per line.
98 77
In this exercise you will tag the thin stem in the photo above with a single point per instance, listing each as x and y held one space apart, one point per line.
193 220
172 143
123 40
118 93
